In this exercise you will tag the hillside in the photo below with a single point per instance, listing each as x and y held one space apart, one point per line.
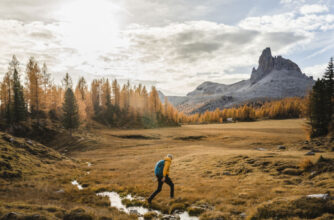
35 183
275 78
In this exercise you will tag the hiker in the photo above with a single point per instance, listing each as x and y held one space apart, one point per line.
161 172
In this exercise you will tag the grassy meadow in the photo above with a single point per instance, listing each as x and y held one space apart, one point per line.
232 167
234 171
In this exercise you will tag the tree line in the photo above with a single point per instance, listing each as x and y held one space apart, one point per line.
270 109
115 105
106 102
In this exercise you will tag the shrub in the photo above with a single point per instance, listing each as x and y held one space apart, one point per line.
305 164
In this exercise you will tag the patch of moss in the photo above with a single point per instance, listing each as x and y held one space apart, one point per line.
150 215
195 211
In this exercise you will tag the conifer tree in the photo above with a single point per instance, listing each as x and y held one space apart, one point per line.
317 110
329 83
70 111
19 106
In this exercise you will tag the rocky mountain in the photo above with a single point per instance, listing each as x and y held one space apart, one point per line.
274 78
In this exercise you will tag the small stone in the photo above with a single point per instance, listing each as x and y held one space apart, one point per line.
320 196
134 212
306 148
313 174
169 217
292 172
281 147
11 215
60 191
226 173
310 153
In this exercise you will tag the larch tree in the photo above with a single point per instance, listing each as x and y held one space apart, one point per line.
46 84
81 97
116 93
67 82
34 82
155 103
96 95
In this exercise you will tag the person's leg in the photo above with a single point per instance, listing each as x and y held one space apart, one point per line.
171 184
156 191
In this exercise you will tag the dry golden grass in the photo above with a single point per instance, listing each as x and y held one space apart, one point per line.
126 164
124 160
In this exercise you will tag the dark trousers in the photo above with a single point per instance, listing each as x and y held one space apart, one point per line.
160 183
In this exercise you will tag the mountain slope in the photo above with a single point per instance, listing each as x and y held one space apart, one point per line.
275 77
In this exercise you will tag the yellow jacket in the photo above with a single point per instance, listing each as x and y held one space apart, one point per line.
168 161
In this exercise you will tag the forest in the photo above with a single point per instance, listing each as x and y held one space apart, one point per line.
31 96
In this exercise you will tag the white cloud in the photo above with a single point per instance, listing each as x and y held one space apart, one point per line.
313 9
175 52
317 71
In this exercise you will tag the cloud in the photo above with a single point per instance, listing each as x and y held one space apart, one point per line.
175 47
197 47
313 9
317 71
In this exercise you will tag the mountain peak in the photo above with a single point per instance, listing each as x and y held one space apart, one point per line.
268 63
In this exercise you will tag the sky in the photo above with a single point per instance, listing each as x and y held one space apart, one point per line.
174 45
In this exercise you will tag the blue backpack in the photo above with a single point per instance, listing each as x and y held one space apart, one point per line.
159 168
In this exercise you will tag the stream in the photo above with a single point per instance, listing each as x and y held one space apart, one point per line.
116 201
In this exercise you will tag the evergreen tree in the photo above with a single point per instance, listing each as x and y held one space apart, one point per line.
70 111
329 83
19 106
317 111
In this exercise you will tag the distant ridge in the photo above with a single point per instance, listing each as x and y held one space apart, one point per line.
274 78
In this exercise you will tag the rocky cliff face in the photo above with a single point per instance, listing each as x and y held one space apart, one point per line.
275 77
268 63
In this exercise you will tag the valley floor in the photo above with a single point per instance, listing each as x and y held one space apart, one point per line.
231 167
232 170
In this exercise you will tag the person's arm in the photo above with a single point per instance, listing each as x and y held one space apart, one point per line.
166 168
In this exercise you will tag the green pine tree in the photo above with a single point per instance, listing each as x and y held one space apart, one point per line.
19 106
329 83
70 111
317 109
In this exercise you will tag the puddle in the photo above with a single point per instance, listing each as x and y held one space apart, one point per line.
75 183
116 201
319 196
